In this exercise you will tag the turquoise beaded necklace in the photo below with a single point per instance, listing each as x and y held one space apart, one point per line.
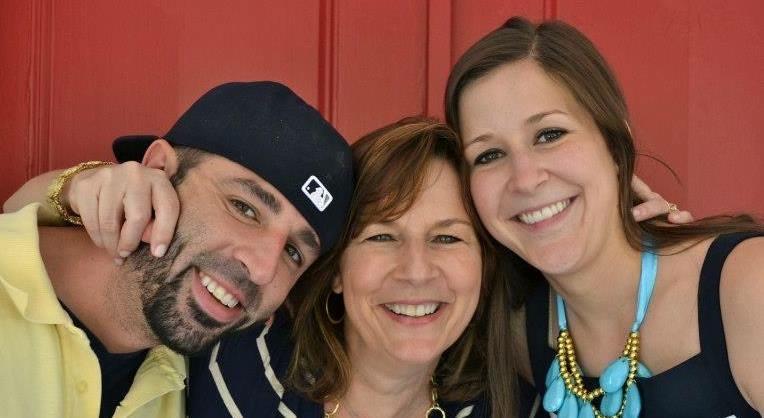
566 395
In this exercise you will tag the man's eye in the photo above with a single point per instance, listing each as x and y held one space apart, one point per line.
294 254
244 209
445 239
550 135
380 238
488 156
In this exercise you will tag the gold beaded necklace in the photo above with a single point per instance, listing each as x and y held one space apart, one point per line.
566 394
572 376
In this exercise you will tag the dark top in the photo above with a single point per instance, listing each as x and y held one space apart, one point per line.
699 387
117 370
243 375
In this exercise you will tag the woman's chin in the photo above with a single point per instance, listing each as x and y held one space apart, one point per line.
416 353
554 261
554 258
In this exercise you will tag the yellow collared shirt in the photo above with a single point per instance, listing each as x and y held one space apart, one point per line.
47 368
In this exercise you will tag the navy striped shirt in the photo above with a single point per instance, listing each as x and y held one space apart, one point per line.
242 376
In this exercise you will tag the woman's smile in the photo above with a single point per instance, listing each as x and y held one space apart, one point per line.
411 285
542 178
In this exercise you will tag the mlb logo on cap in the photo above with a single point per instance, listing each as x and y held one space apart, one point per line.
317 193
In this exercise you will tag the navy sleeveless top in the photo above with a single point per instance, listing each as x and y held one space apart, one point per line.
243 376
702 386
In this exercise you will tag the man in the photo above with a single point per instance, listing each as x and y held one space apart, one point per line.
83 337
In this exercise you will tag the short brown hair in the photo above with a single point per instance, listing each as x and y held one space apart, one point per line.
390 165
188 158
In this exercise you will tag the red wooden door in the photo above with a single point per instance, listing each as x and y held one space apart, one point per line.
77 73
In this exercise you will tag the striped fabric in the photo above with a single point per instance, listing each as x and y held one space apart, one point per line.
241 377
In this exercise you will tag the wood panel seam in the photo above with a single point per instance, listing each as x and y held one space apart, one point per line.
39 89
549 9
328 60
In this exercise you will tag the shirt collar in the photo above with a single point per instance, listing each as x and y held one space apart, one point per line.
22 272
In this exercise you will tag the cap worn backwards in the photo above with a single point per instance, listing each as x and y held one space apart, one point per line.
267 128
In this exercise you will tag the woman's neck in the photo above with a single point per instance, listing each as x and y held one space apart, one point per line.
601 294
383 387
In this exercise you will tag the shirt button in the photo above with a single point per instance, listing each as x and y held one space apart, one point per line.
82 386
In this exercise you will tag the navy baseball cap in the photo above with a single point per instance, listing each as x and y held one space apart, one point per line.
265 127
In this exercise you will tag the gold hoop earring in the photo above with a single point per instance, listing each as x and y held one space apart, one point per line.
328 314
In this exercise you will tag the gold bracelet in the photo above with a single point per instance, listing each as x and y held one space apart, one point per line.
55 189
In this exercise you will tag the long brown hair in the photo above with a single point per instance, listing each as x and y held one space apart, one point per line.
390 165
567 56
570 58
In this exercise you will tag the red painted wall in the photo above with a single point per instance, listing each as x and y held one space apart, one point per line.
75 74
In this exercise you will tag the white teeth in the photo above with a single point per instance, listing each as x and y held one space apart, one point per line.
227 300
413 310
219 292
544 213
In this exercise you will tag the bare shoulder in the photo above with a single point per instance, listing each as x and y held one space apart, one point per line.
742 284
745 262
741 294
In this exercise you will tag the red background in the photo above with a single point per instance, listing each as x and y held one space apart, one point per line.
77 73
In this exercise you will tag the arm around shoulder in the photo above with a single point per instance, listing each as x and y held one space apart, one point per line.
742 293
36 190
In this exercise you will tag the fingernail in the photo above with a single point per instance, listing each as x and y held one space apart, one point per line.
635 211
118 261
160 250
124 253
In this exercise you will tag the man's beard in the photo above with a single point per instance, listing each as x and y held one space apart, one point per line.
181 324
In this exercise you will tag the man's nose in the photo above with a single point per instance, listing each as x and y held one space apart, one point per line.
262 255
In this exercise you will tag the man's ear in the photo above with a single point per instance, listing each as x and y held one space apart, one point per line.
160 154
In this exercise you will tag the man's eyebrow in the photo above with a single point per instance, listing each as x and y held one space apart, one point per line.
309 238
251 187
